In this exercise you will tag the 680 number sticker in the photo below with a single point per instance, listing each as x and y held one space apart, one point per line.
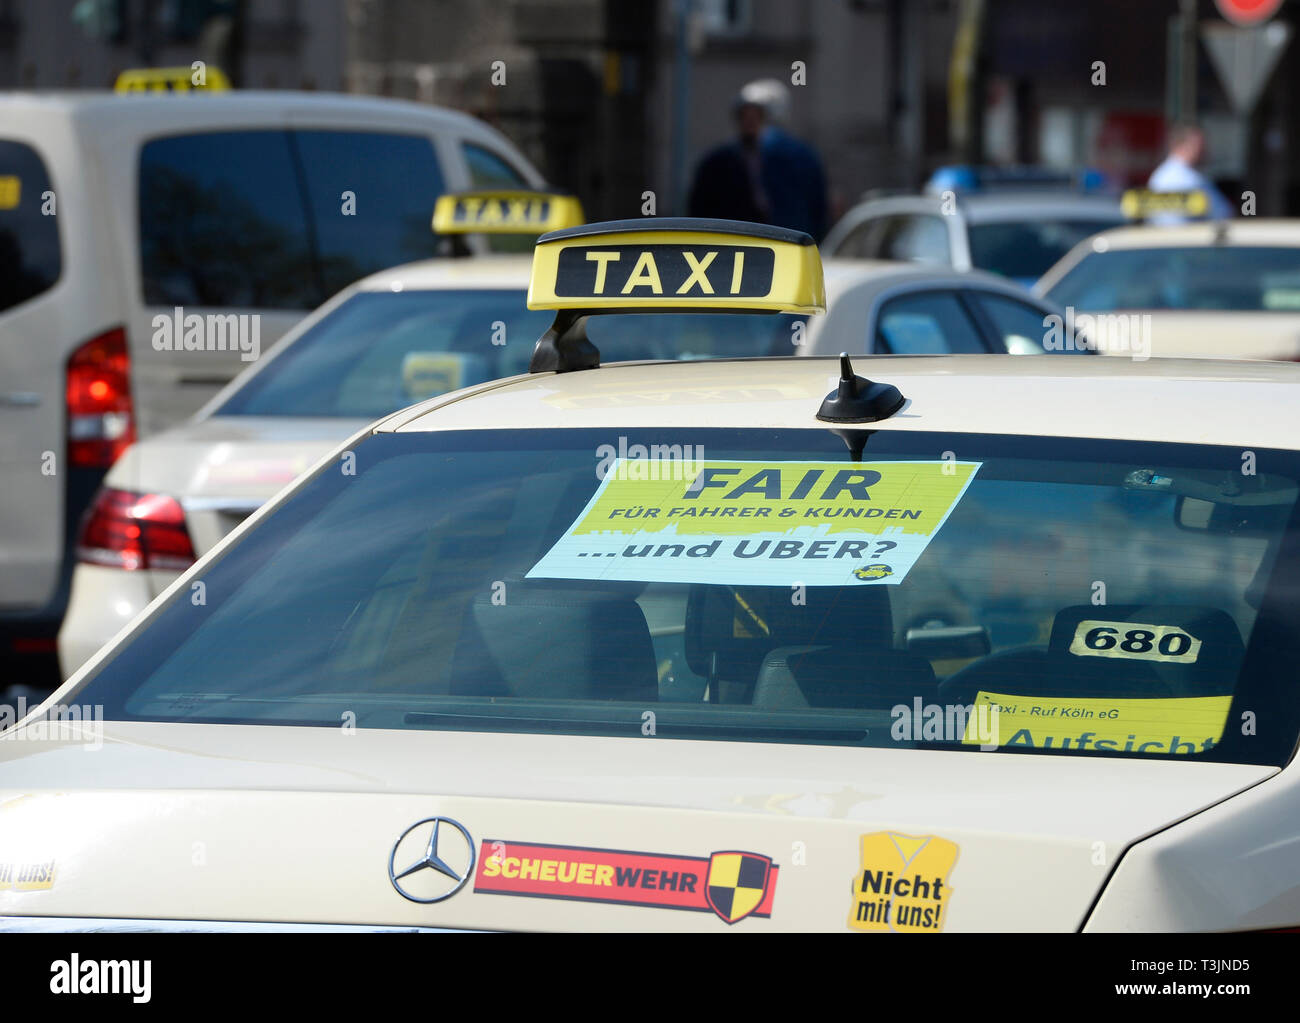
1133 639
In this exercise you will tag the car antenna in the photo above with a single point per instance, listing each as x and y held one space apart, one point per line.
856 441
859 400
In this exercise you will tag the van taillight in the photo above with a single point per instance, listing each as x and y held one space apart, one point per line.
101 418
124 529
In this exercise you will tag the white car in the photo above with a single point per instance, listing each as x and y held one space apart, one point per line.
883 307
159 243
742 645
1016 234
1227 289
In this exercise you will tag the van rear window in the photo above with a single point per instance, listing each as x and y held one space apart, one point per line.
29 228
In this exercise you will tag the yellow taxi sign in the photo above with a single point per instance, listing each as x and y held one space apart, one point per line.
677 263
513 211
203 77
1141 203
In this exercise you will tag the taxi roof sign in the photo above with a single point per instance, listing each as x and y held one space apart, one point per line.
172 79
677 264
674 264
1142 203
509 211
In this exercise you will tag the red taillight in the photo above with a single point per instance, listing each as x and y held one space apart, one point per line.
101 419
129 530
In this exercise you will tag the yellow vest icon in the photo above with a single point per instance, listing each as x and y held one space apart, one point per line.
903 884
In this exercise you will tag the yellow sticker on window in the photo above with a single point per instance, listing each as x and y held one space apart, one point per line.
1179 725
11 190
1170 643
426 374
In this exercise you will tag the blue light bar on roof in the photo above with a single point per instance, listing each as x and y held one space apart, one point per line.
968 178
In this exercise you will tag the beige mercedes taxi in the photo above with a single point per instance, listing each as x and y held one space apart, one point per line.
887 645
1225 289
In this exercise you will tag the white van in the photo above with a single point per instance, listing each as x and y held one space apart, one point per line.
124 219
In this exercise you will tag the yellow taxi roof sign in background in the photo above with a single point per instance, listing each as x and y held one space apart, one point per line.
1140 203
505 211
199 77
677 263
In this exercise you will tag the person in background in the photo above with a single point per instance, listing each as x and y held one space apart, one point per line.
1179 173
764 175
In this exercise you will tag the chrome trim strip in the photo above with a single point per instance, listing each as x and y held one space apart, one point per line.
230 505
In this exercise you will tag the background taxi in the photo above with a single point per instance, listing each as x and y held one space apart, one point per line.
1227 289
388 340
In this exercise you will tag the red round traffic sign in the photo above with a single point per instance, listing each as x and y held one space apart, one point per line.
1247 12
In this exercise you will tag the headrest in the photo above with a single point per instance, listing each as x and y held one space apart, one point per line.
1182 649
822 676
556 643
742 624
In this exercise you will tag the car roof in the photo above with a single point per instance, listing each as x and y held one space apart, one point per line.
489 271
1172 400
105 104
877 275
1244 231
982 207
998 206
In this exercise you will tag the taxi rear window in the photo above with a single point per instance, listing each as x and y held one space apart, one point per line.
1029 248
380 351
958 592
1226 278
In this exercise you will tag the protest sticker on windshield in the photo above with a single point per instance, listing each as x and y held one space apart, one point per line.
759 523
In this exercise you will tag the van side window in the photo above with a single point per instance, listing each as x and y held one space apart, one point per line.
29 239
916 237
222 223
488 170
280 220
863 242
394 181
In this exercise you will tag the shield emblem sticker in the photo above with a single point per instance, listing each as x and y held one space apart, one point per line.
737 883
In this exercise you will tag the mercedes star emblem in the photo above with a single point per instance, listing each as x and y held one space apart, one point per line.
442 870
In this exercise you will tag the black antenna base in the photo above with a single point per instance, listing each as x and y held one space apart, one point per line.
859 400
